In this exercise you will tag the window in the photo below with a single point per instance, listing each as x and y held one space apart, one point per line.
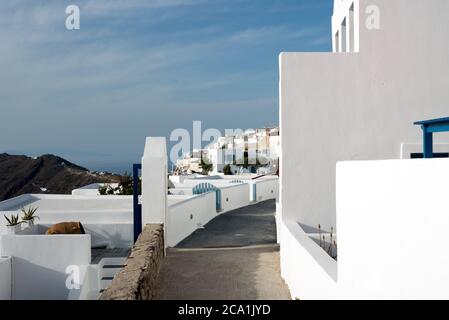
337 42
343 36
351 29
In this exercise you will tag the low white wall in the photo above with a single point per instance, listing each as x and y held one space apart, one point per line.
234 197
266 189
5 278
90 284
16 202
184 217
111 235
91 189
393 219
182 191
40 262
62 208
307 269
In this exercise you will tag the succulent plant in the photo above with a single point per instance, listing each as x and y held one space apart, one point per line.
13 220
28 214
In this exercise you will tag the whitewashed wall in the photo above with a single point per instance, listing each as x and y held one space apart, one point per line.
41 260
234 197
92 189
61 208
184 217
307 269
5 278
360 106
90 284
393 221
112 235
266 189
182 191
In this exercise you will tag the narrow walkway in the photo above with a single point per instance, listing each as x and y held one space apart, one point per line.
234 257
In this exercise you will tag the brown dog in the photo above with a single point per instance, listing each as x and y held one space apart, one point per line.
66 228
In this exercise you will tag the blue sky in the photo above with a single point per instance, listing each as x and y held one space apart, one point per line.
140 68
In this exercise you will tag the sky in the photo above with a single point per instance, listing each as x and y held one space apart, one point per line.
139 68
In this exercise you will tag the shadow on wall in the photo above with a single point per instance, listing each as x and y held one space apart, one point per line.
32 281
111 236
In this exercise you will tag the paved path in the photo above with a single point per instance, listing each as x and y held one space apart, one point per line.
235 257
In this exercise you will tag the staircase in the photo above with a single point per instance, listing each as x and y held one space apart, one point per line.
108 267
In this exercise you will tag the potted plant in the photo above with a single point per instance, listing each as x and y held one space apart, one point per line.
28 216
14 225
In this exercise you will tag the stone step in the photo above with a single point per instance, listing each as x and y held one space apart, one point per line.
110 271
105 282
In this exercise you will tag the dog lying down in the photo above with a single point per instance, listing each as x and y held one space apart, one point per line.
66 228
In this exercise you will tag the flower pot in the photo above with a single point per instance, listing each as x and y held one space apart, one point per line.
13 229
28 223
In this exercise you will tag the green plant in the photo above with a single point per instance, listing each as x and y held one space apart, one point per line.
103 189
206 166
227 170
13 220
125 185
28 214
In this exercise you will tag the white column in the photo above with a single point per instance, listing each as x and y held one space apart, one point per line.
154 182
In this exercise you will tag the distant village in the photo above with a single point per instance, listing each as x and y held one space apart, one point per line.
254 151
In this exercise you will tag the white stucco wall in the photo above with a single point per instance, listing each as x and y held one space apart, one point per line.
5 278
234 197
60 208
392 219
109 219
266 189
185 216
359 106
308 270
92 189
90 284
40 263
154 181
111 235
346 12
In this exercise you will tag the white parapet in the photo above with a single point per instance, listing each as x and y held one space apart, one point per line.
154 181
393 219
5 278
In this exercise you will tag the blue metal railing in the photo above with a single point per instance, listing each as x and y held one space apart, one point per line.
429 127
208 187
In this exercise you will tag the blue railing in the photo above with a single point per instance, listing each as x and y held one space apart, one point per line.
429 127
208 187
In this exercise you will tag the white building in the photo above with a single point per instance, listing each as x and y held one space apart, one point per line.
261 144
389 69
34 265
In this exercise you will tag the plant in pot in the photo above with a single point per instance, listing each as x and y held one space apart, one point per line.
29 216
14 225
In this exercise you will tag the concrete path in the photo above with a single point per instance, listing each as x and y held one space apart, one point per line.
235 257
